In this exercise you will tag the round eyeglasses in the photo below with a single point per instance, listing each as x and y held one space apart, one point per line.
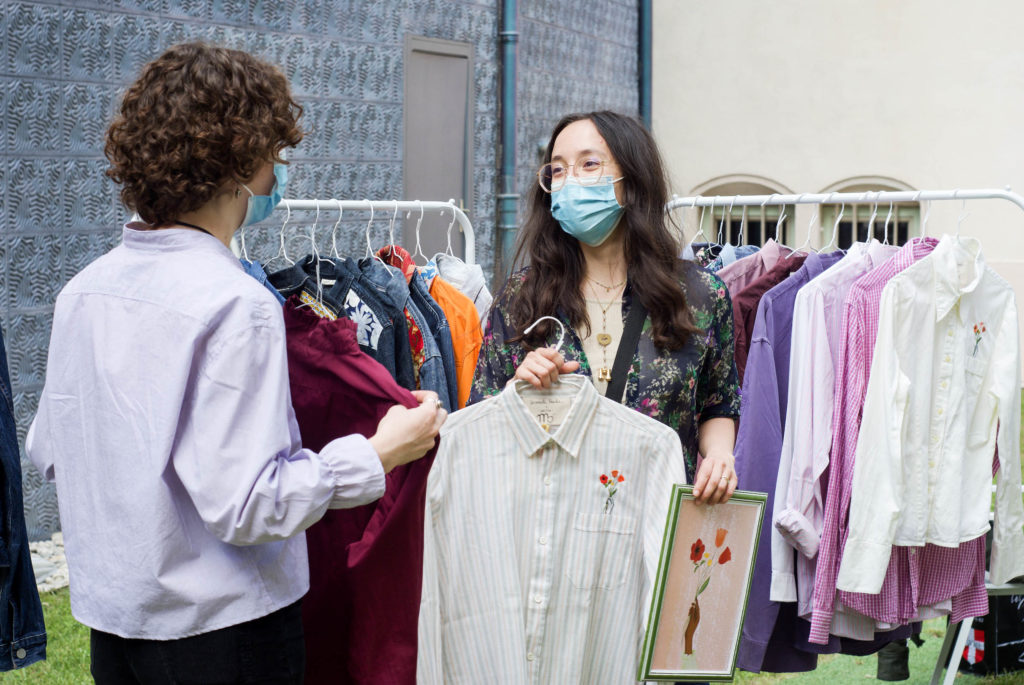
588 171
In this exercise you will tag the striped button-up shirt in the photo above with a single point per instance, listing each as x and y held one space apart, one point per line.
945 375
911 580
534 571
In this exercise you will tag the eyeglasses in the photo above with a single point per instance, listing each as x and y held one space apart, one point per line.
588 172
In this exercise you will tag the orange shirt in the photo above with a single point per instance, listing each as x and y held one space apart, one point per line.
464 324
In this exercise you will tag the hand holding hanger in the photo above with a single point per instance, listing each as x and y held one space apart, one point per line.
543 365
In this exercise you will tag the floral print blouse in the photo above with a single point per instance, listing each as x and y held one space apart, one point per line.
680 388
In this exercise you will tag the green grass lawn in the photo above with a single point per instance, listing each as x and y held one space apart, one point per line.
68 658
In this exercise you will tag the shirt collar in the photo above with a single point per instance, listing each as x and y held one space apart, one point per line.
137 235
573 429
958 266
913 251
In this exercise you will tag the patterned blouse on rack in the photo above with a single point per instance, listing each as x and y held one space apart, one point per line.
680 388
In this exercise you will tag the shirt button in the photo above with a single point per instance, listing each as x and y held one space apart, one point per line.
20 653
543 540
547 480
945 384
940 411
947 359
530 656
538 599
950 332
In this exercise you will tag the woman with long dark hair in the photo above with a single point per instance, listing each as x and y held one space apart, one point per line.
596 242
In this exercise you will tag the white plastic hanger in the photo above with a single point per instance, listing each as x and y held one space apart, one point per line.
561 329
419 248
281 253
782 217
835 229
449 251
885 229
334 232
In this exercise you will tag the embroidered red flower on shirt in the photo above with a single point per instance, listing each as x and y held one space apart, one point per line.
979 330
611 485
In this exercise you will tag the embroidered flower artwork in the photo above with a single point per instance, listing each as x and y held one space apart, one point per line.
611 485
979 330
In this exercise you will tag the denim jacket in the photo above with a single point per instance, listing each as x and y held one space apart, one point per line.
438 324
391 281
22 633
382 333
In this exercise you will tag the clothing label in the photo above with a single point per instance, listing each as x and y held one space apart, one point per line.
328 282
548 411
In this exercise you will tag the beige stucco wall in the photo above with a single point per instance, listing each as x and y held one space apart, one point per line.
810 93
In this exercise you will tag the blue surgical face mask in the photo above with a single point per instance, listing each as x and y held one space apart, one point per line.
587 213
260 207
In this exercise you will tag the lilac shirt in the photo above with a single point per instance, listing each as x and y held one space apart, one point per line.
166 422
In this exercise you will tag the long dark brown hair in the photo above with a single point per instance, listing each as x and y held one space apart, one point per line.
651 248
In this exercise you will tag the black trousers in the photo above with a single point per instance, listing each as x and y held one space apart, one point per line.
266 650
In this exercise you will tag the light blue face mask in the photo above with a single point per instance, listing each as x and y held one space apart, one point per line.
587 213
259 207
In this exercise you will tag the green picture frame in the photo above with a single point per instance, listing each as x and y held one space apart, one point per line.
715 568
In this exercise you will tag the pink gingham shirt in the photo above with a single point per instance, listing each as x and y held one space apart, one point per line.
915 577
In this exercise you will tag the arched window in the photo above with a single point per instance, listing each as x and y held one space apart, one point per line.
745 225
862 221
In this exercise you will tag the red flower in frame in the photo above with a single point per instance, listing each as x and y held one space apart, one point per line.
725 556
720 536
696 551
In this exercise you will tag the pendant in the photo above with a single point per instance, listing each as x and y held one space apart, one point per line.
604 374
604 340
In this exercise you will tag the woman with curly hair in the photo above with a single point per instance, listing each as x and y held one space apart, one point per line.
166 419
597 243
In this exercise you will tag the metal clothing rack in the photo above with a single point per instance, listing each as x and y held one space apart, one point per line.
390 209
956 633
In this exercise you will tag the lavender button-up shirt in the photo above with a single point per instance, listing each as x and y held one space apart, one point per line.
166 422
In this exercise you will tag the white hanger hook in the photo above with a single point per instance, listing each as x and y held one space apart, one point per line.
334 231
369 246
835 226
885 230
960 219
419 222
391 227
561 329
288 217
782 217
874 213
450 226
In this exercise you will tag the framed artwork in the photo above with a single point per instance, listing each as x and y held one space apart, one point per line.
700 590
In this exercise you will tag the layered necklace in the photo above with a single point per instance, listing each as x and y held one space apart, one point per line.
604 339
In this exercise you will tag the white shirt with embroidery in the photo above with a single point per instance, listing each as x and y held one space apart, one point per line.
945 374
534 572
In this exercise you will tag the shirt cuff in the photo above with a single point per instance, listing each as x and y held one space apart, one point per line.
798 532
783 587
718 411
356 471
1007 559
863 567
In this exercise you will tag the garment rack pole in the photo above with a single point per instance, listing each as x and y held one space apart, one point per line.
386 209
869 197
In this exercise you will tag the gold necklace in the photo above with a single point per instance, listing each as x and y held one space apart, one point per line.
604 339
607 288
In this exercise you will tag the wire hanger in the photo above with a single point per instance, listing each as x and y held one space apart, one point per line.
963 215
835 228
806 245
281 252
871 219
688 250
369 246
450 252
782 217
419 248
391 227
334 231
885 229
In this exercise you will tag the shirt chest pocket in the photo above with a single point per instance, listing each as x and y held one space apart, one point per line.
975 368
599 550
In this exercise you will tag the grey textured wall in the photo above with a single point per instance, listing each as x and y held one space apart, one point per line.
63 66
573 57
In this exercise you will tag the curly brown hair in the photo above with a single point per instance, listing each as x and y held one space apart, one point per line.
198 117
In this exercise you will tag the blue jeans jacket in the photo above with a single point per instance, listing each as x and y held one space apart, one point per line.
393 283
382 332
22 633
438 324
